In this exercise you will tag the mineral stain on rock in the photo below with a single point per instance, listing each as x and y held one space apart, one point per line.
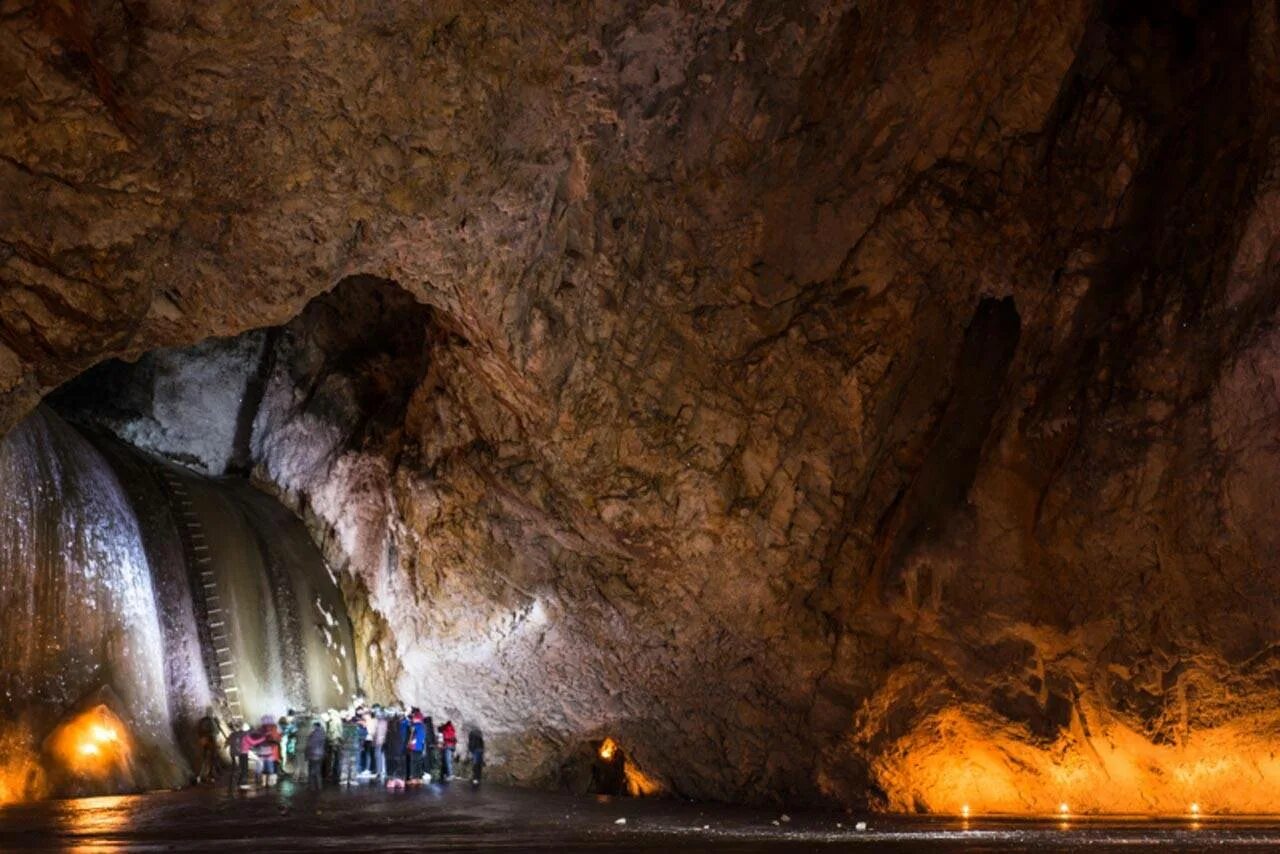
861 402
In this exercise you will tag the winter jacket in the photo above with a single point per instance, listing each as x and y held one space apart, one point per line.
379 732
352 740
395 736
315 744
236 743
333 729
266 742
475 740
450 735
417 737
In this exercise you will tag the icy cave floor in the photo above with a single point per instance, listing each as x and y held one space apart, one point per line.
458 818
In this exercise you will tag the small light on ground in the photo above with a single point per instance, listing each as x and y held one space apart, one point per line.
1195 809
964 810
1063 809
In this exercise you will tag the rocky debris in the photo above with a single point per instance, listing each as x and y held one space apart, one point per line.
797 385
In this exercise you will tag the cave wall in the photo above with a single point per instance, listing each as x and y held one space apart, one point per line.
829 400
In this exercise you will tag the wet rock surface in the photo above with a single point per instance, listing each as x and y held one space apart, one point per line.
829 400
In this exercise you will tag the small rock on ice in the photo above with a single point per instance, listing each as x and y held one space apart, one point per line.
786 817
621 821
862 825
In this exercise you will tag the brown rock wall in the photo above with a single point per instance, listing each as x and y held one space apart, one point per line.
810 394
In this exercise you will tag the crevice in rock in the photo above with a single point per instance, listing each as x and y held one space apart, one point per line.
918 516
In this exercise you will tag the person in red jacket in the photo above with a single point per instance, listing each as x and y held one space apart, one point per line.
265 742
449 740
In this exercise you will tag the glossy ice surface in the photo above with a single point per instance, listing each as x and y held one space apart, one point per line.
459 818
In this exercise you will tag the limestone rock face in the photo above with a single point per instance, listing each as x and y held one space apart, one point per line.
864 401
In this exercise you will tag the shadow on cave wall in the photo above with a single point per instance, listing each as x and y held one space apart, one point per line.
919 514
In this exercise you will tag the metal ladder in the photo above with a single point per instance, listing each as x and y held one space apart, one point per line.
211 618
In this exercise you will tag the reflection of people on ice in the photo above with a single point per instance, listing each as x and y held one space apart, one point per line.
364 744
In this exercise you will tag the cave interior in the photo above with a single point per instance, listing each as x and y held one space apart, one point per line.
857 403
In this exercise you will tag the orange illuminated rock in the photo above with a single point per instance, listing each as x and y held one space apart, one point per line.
92 745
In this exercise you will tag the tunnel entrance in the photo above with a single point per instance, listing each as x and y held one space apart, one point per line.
137 591
141 560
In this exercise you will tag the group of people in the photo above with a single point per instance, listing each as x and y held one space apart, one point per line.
388 746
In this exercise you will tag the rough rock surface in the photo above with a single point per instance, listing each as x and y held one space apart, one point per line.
860 400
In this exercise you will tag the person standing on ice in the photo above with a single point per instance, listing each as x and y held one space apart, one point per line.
395 752
265 742
415 744
239 758
317 741
352 744
208 731
449 737
333 730
475 746
366 743
430 750
379 744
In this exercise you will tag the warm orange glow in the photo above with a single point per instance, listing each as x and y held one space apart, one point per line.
957 758
640 784
964 810
607 748
92 744
21 775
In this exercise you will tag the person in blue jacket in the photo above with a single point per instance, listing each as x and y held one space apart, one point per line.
415 743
